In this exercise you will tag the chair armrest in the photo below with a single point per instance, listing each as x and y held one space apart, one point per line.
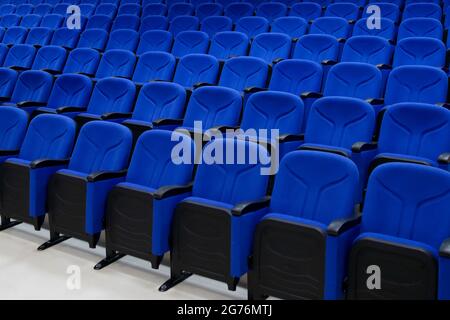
445 105
224 128
90 75
359 147
444 249
339 226
311 94
329 149
19 68
375 101
169 191
341 40
384 66
444 158
31 104
166 122
41 163
4 99
201 84
291 137
329 62
115 115
277 60
250 206
105 175
70 109
253 90
9 152
51 71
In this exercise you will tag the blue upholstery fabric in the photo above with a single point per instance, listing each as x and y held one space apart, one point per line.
242 72
420 51
271 10
214 24
346 10
155 40
116 62
271 46
13 126
32 85
187 42
422 10
335 26
154 65
125 39
93 38
83 60
154 23
195 68
420 27
180 9
316 47
31 21
387 30
8 78
252 26
238 10
126 21
390 11
294 27
15 35
228 44
183 23
65 37
99 21
52 21
209 9
306 10
369 49
50 57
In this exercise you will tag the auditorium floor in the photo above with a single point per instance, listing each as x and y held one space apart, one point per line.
26 273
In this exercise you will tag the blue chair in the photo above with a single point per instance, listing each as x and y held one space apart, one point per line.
15 35
271 10
208 9
155 40
125 39
420 27
65 37
183 23
180 9
320 48
387 29
237 10
116 63
30 21
252 26
422 10
126 21
229 44
346 10
150 23
240 73
99 21
196 68
334 26
188 42
420 51
271 46
50 59
214 24
13 127
294 27
154 65
155 9
46 148
52 21
82 60
306 10
389 11
39 36
301 245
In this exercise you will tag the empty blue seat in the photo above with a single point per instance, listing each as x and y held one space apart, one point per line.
50 59
30 21
52 2
229 43
388 11
52 21
20 56
317 47
145 232
154 65
126 21
271 46
420 27
387 29
294 27
60 8
335 26
7 9
240 73
155 40
183 23
65 37
422 10
306 10
155 9
150 23
24 9
70 92
212 220
214 24
99 22
116 63
39 36
206 10
405 229
107 9
369 49
101 147
125 39
112 99
93 38
159 104
180 9
43 9
271 10
3 52
82 60
187 42
237 10
87 9
312 199
8 78
252 26
130 8
25 176
13 127
416 84
196 68
420 51
10 20
359 3
348 11
15 35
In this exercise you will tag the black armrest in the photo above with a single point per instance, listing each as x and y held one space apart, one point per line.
90 75
51 71
4 99
105 175
19 68
444 249
31 104
250 206
383 66
291 137
277 60
445 105
41 163
167 122
329 62
359 147
169 191
253 90
9 152
115 115
201 84
329 149
444 158
375 101
339 226
223 129
341 40
351 21
70 109
311 94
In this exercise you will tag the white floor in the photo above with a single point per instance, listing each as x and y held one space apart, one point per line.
26 273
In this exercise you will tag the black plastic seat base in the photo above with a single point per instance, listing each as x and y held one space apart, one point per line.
7 223
174 280
55 239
